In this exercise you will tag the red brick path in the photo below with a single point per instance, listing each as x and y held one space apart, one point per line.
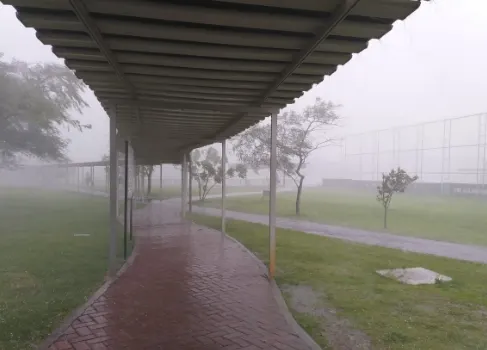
187 289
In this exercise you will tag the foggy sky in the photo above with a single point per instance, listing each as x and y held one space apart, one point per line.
430 66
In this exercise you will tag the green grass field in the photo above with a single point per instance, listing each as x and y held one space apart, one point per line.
167 192
175 191
46 271
454 219
392 315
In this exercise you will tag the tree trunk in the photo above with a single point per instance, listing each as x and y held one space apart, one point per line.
200 195
385 217
149 183
142 185
298 196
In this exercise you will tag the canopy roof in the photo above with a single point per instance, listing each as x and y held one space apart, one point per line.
184 73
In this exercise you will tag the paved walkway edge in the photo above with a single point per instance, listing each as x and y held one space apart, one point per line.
276 291
80 310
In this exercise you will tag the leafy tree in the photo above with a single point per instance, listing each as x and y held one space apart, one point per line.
298 136
35 99
396 181
207 170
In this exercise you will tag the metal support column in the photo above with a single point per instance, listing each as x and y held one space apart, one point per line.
160 177
224 184
142 184
272 198
133 192
118 184
137 182
112 253
190 170
184 186
125 199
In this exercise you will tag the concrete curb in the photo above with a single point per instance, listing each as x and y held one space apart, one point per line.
276 292
80 310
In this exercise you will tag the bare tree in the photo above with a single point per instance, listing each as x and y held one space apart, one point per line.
395 182
298 136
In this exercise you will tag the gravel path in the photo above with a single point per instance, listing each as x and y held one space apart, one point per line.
412 244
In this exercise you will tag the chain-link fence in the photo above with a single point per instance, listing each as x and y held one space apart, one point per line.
447 151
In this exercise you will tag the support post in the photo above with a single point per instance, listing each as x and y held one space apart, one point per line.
125 200
112 254
133 193
131 217
137 182
160 177
190 192
142 184
272 198
224 184
118 184
77 178
184 186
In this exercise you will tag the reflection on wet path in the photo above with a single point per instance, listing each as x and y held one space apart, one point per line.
187 289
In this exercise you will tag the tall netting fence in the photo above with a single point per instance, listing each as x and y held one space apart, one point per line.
449 154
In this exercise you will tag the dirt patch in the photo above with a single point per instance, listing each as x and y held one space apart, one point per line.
339 332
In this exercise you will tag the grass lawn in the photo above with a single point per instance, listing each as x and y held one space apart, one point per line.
175 191
45 271
394 316
454 219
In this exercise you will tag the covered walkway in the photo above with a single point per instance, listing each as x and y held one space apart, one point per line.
188 288
174 76
177 75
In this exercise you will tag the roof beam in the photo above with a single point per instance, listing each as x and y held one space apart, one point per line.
139 80
311 75
173 88
83 15
330 51
294 22
338 15
87 56
378 9
183 106
163 31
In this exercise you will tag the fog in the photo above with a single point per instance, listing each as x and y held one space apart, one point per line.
155 254
429 67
